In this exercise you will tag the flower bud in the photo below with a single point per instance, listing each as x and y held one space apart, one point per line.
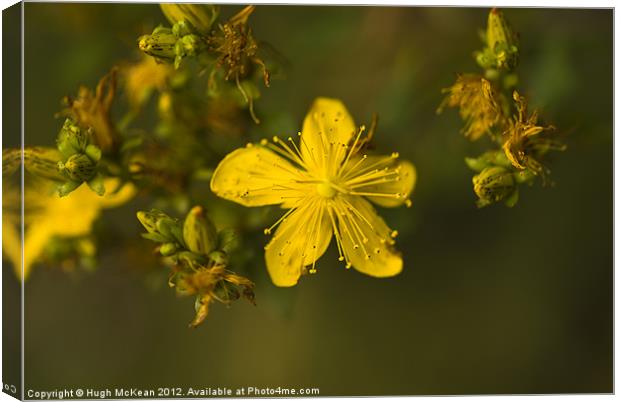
170 229
149 219
494 184
67 187
502 40
96 184
78 167
93 152
160 227
199 232
167 249
200 16
160 44
71 139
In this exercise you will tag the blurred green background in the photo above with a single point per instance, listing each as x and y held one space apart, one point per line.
495 300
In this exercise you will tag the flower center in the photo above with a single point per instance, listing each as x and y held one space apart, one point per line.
325 189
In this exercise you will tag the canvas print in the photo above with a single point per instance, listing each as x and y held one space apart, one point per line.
217 200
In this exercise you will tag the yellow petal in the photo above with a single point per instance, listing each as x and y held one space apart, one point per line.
255 176
327 122
114 197
299 241
35 240
403 186
366 239
12 242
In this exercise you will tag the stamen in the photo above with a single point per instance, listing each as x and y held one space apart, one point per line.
268 230
382 161
317 238
352 149
341 256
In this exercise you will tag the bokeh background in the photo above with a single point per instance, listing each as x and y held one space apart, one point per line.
495 300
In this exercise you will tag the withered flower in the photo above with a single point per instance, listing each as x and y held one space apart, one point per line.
236 52
525 141
477 102
209 284
92 110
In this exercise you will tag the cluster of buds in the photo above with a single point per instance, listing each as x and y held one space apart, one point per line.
230 51
79 159
199 254
502 44
191 24
490 107
172 45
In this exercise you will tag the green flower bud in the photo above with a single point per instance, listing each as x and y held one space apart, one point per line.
199 232
78 168
161 227
167 249
93 152
199 16
502 41
160 44
96 184
181 29
191 45
171 229
71 139
494 184
67 187
149 219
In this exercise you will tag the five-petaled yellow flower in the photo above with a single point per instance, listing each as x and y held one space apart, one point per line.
47 215
326 183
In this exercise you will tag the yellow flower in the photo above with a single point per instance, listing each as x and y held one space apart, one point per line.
142 78
525 141
477 103
47 216
326 183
